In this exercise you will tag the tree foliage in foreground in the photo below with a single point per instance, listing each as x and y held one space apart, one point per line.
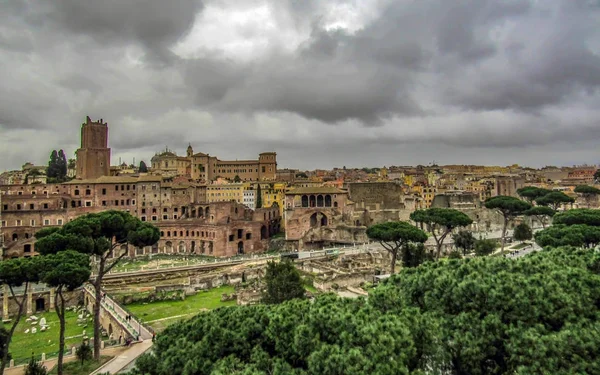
485 246
490 315
283 282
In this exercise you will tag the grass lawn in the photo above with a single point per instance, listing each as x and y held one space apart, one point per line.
179 310
23 344
75 367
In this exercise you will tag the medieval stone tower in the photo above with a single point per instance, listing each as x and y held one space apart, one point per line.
93 158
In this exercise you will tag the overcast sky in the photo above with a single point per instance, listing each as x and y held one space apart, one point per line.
323 83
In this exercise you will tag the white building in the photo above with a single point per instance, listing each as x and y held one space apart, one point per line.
250 198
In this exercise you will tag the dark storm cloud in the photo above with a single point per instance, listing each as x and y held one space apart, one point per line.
371 74
156 24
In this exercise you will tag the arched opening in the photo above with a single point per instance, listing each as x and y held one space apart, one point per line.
200 212
193 213
319 201
210 248
240 247
193 246
328 200
15 237
26 235
313 220
263 232
110 329
305 201
27 248
168 247
324 221
123 249
181 247
155 248
335 204
312 201
207 211
202 247
40 305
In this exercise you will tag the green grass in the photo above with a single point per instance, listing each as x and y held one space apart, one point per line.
75 367
23 344
179 310
311 289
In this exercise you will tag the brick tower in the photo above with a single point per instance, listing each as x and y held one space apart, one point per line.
93 158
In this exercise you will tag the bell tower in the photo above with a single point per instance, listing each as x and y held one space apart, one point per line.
93 158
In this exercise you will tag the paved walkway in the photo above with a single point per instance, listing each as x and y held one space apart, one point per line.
125 358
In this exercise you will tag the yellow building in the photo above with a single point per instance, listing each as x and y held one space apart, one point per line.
225 193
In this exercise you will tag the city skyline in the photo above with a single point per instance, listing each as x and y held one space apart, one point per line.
323 84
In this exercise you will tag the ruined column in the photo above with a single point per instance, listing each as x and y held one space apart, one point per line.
51 299
30 300
5 303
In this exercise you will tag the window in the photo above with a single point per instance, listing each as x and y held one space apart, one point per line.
88 192
116 187
46 222
154 218
104 203
248 235
32 222
59 222
103 191
143 218
3 223
18 206
46 205
76 191
19 223
231 237
165 217
154 210
31 206
143 210
5 207
88 204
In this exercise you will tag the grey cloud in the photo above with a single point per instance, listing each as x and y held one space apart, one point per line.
156 24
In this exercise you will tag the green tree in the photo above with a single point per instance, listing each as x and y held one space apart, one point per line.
578 216
394 235
509 208
84 352
99 235
143 167
62 165
53 170
35 368
440 222
464 240
237 179
485 247
540 213
576 235
72 164
522 232
588 193
4 335
17 273
283 282
597 176
531 193
65 271
301 175
258 196
413 255
554 199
